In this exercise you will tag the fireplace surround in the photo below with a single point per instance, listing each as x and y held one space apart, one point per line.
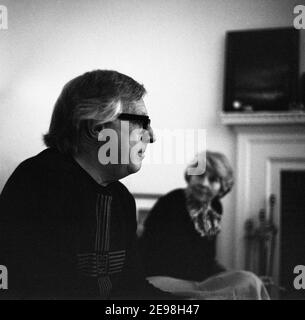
268 144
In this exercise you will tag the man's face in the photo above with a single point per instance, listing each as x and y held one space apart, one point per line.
204 187
135 137
132 140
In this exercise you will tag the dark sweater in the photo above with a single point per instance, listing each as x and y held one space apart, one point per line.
62 235
170 245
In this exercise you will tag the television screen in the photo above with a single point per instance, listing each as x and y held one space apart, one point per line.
262 70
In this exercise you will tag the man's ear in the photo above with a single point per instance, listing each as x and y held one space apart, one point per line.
96 128
92 129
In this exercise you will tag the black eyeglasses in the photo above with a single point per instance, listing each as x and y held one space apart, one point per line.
142 119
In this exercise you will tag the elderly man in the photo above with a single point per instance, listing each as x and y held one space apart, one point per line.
67 225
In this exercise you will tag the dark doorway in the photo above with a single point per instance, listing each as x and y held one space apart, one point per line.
292 245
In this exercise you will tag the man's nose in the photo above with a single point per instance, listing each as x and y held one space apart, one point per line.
149 135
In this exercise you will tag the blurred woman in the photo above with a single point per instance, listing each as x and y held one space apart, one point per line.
179 238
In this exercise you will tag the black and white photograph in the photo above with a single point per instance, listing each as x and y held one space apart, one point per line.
152 150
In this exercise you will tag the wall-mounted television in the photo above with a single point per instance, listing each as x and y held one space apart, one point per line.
262 70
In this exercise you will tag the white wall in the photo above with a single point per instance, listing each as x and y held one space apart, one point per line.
174 47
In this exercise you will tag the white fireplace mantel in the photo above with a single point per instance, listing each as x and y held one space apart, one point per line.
266 144
262 118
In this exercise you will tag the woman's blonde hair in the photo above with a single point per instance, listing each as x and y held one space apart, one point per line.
216 164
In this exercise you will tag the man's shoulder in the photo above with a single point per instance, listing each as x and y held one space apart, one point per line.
25 185
35 172
47 159
122 191
25 170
